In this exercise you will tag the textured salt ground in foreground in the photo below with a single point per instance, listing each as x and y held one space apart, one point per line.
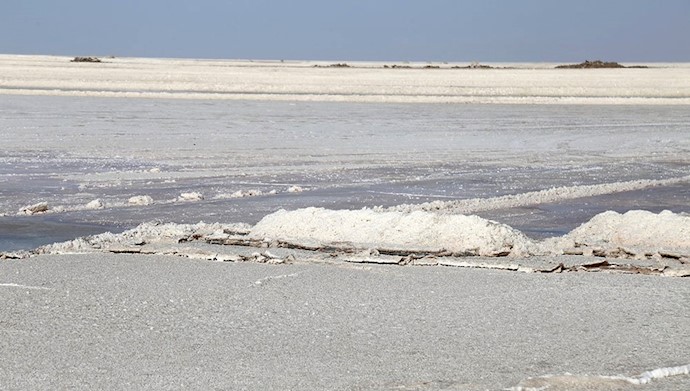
634 242
162 321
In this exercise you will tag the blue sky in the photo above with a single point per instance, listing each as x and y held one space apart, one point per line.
387 30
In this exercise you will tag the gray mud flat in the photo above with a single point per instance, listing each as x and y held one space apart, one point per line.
123 321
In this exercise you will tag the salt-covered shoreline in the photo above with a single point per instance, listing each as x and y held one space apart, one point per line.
637 242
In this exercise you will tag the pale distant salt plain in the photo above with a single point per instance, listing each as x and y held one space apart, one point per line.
527 83
127 141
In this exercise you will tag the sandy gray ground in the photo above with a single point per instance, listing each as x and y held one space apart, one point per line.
104 321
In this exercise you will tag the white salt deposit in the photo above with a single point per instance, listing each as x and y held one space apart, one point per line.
636 231
95 204
140 200
394 230
592 382
191 196
643 235
144 233
562 193
40 207
246 193
295 189
661 373
397 238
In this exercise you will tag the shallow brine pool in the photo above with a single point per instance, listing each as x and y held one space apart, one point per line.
237 161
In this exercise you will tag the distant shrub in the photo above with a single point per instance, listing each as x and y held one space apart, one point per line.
86 59
596 64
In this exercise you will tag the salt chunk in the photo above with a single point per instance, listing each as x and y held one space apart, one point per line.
40 207
140 200
191 196
96 204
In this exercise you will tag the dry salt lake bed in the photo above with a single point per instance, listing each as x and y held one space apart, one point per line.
556 199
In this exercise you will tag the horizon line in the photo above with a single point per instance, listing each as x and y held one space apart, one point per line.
283 60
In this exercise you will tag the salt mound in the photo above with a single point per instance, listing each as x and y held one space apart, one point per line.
169 233
246 193
40 207
95 204
423 231
191 196
140 200
637 230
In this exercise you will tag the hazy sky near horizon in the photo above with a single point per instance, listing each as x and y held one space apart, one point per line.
386 30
